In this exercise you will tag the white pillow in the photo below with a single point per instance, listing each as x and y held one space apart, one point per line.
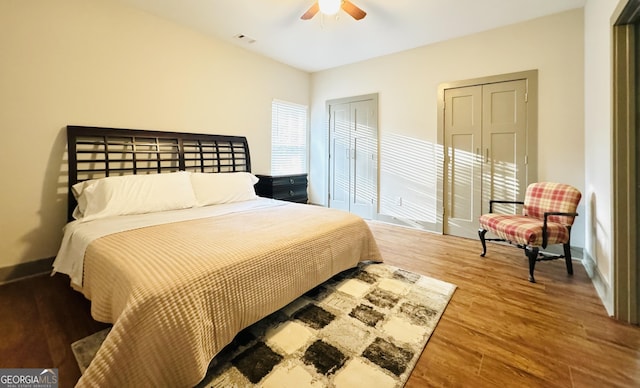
133 194
224 187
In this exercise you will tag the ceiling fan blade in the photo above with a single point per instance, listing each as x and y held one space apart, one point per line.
353 10
311 12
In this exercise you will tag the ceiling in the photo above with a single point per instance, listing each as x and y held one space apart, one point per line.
273 27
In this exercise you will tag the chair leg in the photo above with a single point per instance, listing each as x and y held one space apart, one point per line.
567 258
481 233
532 254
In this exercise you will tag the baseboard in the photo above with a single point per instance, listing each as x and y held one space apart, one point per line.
599 282
25 270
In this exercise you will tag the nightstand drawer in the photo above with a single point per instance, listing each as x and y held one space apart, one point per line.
295 194
290 180
291 188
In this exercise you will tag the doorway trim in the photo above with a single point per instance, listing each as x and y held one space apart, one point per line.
531 78
626 292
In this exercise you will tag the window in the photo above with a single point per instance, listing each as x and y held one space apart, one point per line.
288 138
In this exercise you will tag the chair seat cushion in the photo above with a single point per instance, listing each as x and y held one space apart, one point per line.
523 230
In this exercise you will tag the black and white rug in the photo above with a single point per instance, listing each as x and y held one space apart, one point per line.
365 327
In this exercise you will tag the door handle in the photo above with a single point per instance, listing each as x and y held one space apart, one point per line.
486 155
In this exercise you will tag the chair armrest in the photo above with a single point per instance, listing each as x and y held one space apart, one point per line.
492 201
546 214
545 238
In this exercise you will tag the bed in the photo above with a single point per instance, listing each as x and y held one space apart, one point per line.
179 278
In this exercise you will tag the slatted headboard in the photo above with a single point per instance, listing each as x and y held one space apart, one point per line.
96 152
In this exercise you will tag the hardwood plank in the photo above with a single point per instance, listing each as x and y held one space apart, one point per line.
453 365
23 343
525 373
501 358
68 322
584 378
41 317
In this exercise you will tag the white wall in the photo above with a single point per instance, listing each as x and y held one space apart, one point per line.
598 145
92 62
407 84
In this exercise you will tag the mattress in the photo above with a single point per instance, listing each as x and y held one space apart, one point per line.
178 292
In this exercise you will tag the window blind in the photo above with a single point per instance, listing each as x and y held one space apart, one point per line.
288 138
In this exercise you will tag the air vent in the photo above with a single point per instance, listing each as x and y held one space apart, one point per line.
245 38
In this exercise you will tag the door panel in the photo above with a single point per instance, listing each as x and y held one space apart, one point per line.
365 149
461 177
502 176
502 104
504 137
463 134
340 157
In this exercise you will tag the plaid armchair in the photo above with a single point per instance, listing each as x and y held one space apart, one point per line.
548 213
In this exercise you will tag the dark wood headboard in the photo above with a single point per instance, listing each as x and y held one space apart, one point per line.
96 152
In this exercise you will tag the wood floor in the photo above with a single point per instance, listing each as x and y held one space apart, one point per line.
498 330
501 330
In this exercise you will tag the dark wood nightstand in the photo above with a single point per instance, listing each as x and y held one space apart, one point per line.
291 188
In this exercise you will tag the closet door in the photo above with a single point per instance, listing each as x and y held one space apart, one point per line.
353 158
485 144
463 160
340 156
504 125
364 163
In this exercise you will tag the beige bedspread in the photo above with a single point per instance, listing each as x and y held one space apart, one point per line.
178 293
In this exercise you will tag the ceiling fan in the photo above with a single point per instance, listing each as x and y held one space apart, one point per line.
330 7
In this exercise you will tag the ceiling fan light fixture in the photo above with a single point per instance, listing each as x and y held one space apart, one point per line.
329 7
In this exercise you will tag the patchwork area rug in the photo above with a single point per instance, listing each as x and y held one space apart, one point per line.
365 327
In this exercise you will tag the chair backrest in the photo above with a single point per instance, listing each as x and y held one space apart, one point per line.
544 197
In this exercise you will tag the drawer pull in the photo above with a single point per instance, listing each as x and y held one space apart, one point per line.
292 181
291 193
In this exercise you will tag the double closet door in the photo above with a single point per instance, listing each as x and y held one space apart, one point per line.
485 155
353 155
